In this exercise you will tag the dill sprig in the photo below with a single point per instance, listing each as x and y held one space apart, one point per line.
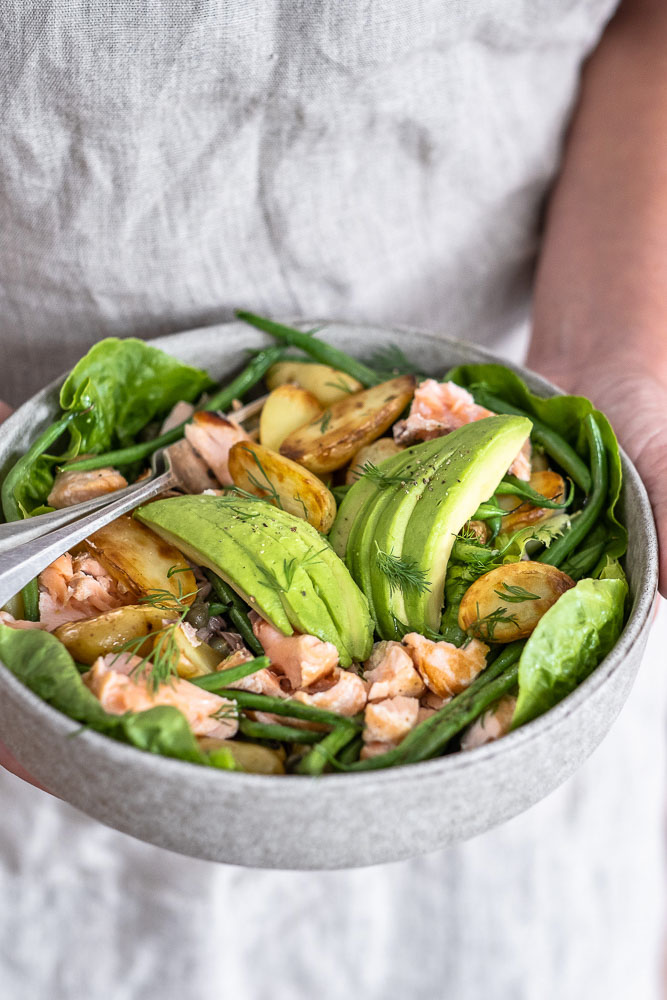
402 574
485 627
514 594
265 485
379 478
390 361
324 421
289 569
341 384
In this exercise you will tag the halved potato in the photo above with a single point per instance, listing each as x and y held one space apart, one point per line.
375 452
250 757
140 559
523 514
110 632
508 602
194 661
286 408
327 384
269 475
334 438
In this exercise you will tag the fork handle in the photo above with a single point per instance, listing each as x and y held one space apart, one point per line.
23 563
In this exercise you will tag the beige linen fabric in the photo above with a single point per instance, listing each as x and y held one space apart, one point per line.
162 163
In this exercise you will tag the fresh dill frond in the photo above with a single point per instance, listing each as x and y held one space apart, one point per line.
402 574
341 384
264 484
391 361
514 594
485 627
382 480
324 421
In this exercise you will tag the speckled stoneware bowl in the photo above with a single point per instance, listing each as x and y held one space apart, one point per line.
338 820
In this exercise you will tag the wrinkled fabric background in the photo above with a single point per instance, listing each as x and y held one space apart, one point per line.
162 164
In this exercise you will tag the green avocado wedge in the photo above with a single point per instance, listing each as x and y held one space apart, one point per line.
278 563
418 519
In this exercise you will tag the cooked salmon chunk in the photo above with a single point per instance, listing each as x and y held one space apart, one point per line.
119 690
346 696
20 623
440 407
390 672
212 435
490 726
444 668
304 659
76 587
390 720
72 487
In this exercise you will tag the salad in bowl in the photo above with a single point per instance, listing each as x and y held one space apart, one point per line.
360 566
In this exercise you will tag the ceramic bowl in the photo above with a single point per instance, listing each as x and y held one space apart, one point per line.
338 820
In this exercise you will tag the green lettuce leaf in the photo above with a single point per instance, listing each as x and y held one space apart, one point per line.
43 664
126 383
569 641
565 415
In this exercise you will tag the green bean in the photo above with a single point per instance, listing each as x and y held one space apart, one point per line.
551 441
285 706
324 752
272 731
221 678
586 519
215 608
488 510
432 735
237 388
325 353
517 487
582 562
236 612
10 507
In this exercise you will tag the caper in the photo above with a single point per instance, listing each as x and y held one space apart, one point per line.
197 616
220 645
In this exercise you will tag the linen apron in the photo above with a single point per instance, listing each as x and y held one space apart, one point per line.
164 163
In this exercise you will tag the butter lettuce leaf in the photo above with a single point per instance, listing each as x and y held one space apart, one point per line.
569 641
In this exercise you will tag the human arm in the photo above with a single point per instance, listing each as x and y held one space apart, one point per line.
600 311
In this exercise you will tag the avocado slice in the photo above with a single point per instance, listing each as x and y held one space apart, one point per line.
422 523
277 562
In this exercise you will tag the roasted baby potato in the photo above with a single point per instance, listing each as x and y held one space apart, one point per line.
327 384
110 632
250 757
508 602
141 560
286 408
194 660
374 453
334 438
523 514
285 484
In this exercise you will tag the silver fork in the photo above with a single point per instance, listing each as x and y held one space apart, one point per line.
31 554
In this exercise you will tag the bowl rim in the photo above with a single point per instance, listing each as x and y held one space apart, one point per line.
424 770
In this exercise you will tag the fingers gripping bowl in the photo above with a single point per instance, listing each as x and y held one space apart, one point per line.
339 819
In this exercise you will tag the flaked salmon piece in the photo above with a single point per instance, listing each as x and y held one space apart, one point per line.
191 471
119 690
445 669
72 487
440 407
304 659
390 672
212 435
493 724
20 623
346 696
391 720
433 701
76 587
263 682
375 749
180 412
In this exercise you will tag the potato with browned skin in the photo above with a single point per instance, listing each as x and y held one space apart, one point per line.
331 440
286 408
508 602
